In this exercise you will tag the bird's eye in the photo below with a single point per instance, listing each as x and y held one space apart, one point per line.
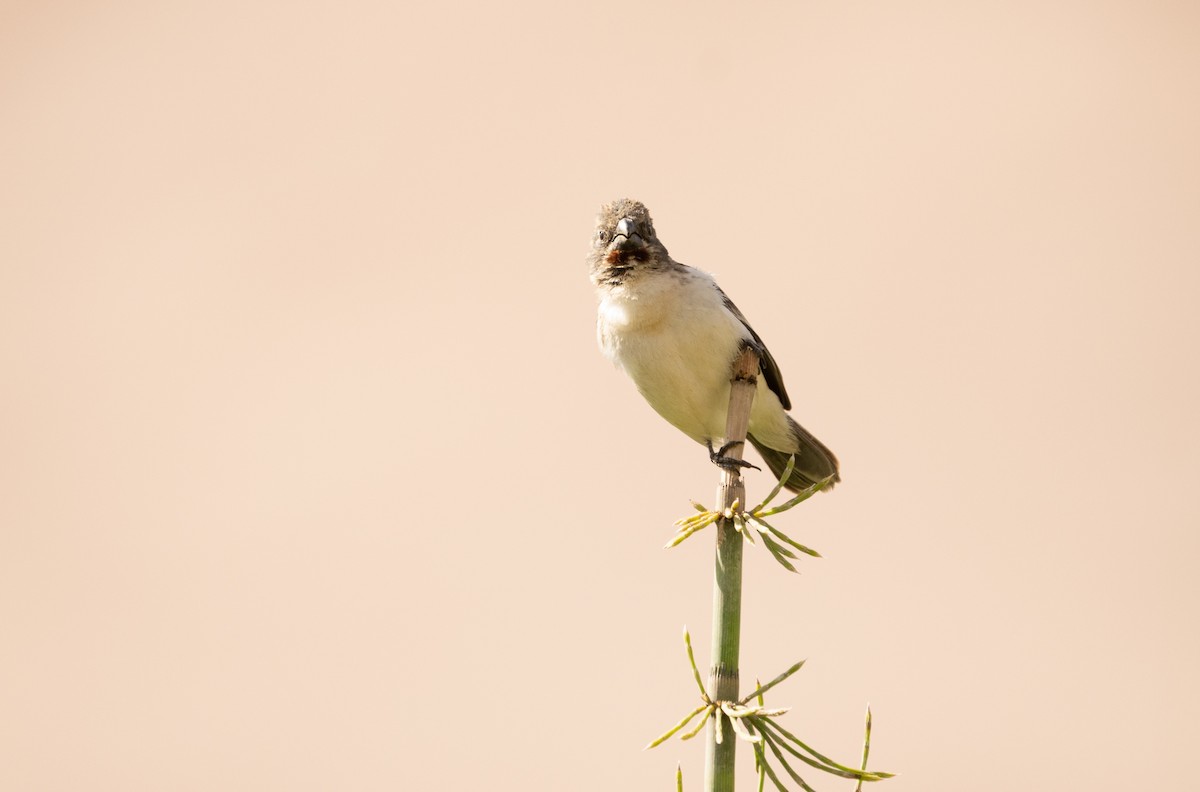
602 235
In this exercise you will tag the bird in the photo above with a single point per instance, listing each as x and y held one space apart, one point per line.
673 330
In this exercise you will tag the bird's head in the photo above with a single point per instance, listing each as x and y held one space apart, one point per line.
624 243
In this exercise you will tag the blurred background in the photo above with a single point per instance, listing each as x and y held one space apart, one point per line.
313 477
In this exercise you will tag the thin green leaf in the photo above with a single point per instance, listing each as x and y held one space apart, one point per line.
678 778
773 730
779 553
762 763
779 755
684 534
787 473
801 496
758 749
666 736
768 529
775 547
685 522
874 775
783 562
760 691
703 719
780 535
866 748
687 640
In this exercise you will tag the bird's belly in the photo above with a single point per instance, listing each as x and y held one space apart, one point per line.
683 373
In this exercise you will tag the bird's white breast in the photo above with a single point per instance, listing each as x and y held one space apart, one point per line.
672 334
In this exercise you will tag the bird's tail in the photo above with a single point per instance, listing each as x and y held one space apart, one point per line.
814 462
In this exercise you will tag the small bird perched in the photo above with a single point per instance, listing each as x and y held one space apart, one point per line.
676 334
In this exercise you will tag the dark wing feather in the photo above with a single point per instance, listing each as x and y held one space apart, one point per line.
770 370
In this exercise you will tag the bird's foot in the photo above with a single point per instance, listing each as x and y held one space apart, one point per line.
718 457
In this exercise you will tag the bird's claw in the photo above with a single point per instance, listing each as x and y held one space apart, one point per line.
718 457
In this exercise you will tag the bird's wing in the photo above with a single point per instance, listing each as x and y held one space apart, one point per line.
770 369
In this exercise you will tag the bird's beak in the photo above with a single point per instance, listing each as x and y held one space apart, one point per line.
626 235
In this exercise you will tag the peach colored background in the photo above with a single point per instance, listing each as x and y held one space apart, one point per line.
313 477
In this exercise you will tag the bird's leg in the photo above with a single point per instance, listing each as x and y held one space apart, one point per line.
718 458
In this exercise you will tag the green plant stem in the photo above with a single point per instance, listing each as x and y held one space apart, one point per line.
727 582
727 626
